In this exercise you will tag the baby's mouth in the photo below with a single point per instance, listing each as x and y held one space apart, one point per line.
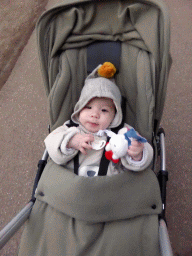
93 124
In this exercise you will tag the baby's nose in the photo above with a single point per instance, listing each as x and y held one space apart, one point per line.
95 114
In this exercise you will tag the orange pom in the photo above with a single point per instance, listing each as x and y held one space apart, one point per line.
107 70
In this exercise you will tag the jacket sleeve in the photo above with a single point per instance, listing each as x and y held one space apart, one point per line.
56 144
145 162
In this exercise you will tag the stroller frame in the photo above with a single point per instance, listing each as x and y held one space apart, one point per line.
11 228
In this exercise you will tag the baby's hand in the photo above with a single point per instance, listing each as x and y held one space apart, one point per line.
81 142
136 150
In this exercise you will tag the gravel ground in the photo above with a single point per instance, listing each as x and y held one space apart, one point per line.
17 21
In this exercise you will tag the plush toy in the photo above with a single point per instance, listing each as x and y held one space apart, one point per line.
119 143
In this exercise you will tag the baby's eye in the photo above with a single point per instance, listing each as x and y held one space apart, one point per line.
88 107
104 110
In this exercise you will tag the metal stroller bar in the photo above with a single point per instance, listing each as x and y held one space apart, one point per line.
15 224
165 244
163 173
163 153
41 166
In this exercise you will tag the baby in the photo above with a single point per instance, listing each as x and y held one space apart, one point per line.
97 112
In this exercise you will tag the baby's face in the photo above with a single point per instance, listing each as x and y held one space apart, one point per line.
97 114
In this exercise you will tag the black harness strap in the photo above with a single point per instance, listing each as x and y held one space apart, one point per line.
103 167
76 164
76 158
71 124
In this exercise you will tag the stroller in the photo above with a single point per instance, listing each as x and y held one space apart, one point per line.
72 215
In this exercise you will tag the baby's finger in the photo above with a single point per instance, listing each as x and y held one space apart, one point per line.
134 150
89 137
83 151
86 145
136 143
133 153
136 146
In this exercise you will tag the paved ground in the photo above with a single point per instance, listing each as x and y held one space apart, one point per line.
177 123
17 21
24 118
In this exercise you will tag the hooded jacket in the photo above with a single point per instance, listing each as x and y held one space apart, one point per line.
56 145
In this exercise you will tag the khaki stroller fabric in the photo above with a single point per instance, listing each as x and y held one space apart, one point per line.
97 216
74 215
64 33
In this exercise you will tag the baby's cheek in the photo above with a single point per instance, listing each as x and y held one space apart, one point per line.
105 124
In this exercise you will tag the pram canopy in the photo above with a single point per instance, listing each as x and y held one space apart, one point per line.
65 32
103 215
